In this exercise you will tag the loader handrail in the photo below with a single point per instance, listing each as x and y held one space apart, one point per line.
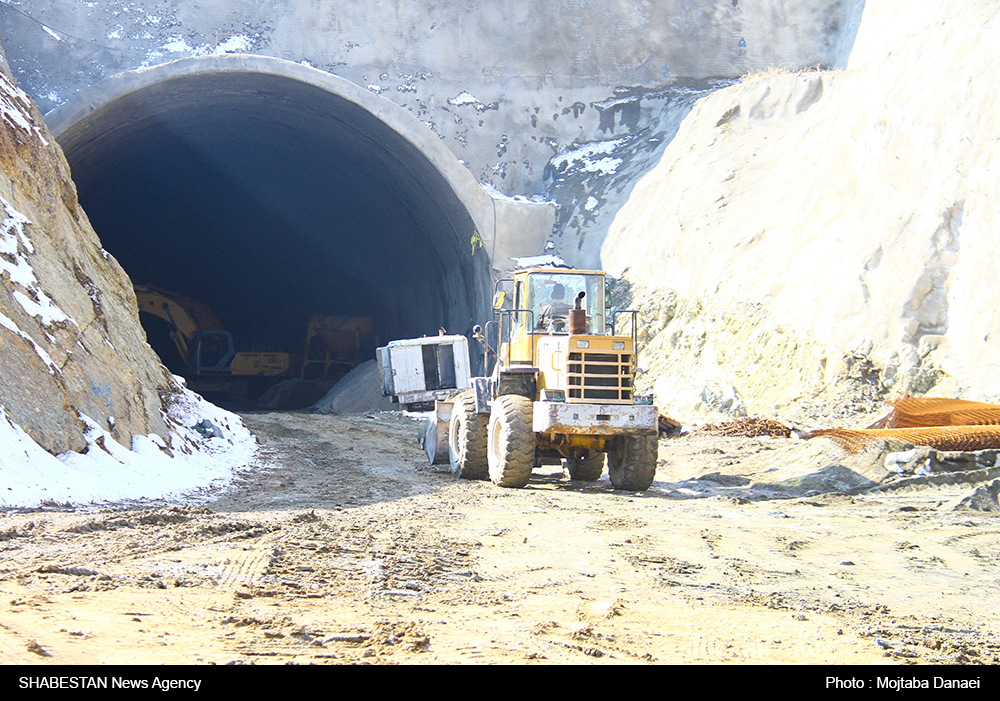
635 328
489 350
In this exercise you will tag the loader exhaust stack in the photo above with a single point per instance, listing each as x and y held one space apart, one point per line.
578 316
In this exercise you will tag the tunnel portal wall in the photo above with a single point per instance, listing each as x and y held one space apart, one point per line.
505 85
273 190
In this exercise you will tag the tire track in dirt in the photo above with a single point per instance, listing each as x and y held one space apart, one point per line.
350 548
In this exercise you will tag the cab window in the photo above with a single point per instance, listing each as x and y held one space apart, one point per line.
551 296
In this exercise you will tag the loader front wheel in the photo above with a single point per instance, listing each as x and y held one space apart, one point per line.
585 468
511 441
632 462
467 439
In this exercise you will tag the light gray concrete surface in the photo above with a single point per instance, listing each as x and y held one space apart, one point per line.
505 87
97 111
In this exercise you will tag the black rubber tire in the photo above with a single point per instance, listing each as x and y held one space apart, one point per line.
511 442
632 462
586 468
467 438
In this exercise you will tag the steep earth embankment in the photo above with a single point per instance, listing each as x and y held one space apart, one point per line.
71 343
811 229
78 377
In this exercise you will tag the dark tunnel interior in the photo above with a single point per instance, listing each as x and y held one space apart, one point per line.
270 200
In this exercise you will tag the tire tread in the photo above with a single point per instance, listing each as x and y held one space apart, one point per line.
511 442
632 466
467 449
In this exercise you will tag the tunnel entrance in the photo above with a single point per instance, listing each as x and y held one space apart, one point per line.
272 192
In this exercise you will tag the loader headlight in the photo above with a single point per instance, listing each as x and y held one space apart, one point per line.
583 344
618 345
553 395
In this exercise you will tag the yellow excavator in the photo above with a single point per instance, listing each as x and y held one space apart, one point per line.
562 388
213 364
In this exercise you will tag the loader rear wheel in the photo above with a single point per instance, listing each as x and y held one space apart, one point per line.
467 439
586 468
511 441
632 462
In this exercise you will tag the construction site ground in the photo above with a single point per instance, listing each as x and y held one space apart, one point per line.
344 546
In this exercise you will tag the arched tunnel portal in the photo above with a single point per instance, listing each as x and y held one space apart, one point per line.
272 191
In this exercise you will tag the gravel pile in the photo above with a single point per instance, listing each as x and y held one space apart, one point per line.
358 391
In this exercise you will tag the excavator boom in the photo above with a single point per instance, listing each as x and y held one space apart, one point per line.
187 317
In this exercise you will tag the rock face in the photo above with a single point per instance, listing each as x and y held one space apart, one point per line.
70 344
809 228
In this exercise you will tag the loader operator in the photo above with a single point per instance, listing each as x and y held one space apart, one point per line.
554 313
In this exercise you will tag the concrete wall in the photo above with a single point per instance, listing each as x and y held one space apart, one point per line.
513 69
505 86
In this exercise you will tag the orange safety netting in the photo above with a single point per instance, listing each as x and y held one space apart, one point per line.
913 412
944 424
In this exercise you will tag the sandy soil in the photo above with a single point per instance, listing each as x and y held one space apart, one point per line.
344 546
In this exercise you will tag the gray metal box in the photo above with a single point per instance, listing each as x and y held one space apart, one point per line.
424 369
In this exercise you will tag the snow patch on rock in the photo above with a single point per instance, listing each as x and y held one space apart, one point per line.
35 303
15 109
107 471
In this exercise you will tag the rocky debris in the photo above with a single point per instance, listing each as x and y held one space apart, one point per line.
984 498
733 464
832 478
924 460
33 646
74 570
206 429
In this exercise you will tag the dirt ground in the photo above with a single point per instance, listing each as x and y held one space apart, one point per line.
343 546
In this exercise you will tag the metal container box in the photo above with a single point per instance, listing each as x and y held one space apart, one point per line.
419 370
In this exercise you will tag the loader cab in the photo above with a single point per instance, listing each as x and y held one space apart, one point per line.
551 295
539 300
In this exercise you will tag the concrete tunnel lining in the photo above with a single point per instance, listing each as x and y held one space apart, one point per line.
272 191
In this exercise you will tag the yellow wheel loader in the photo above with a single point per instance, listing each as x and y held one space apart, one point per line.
561 389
